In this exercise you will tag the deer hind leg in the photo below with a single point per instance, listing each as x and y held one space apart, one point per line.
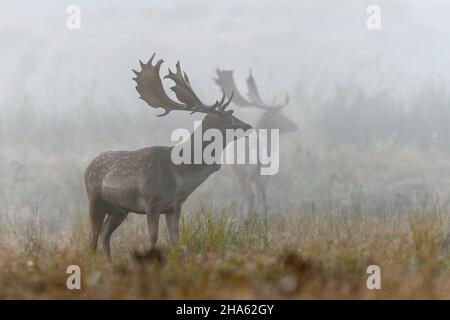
112 222
153 225
262 198
172 221
250 192
247 205
96 217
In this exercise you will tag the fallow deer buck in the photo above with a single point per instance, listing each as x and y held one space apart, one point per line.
146 181
253 186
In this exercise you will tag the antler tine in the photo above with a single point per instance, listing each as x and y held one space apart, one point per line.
150 89
253 93
151 58
256 98
225 81
186 94
218 104
166 112
273 102
286 101
228 101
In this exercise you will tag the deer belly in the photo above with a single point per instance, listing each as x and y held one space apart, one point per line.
187 185
122 194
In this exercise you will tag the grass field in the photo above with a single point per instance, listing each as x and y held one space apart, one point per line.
363 181
333 213
300 256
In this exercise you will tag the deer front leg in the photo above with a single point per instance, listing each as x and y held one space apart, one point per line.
112 222
153 225
172 221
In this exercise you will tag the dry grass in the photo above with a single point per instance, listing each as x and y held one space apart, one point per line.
302 256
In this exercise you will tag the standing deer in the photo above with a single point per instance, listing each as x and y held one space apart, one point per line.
253 185
146 181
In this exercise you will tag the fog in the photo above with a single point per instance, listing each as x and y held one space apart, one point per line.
287 43
372 105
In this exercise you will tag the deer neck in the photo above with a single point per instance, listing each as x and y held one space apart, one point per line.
189 176
202 169
198 132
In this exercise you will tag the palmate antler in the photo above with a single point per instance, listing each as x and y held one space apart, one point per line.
226 82
151 90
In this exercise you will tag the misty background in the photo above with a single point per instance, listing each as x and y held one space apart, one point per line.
373 107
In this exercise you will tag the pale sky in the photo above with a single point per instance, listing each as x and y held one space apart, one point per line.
284 42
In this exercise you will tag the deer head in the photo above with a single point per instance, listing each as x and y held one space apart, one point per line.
272 118
151 90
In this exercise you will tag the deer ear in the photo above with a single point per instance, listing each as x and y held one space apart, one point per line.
229 112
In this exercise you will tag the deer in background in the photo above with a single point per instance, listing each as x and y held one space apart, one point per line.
146 181
253 186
